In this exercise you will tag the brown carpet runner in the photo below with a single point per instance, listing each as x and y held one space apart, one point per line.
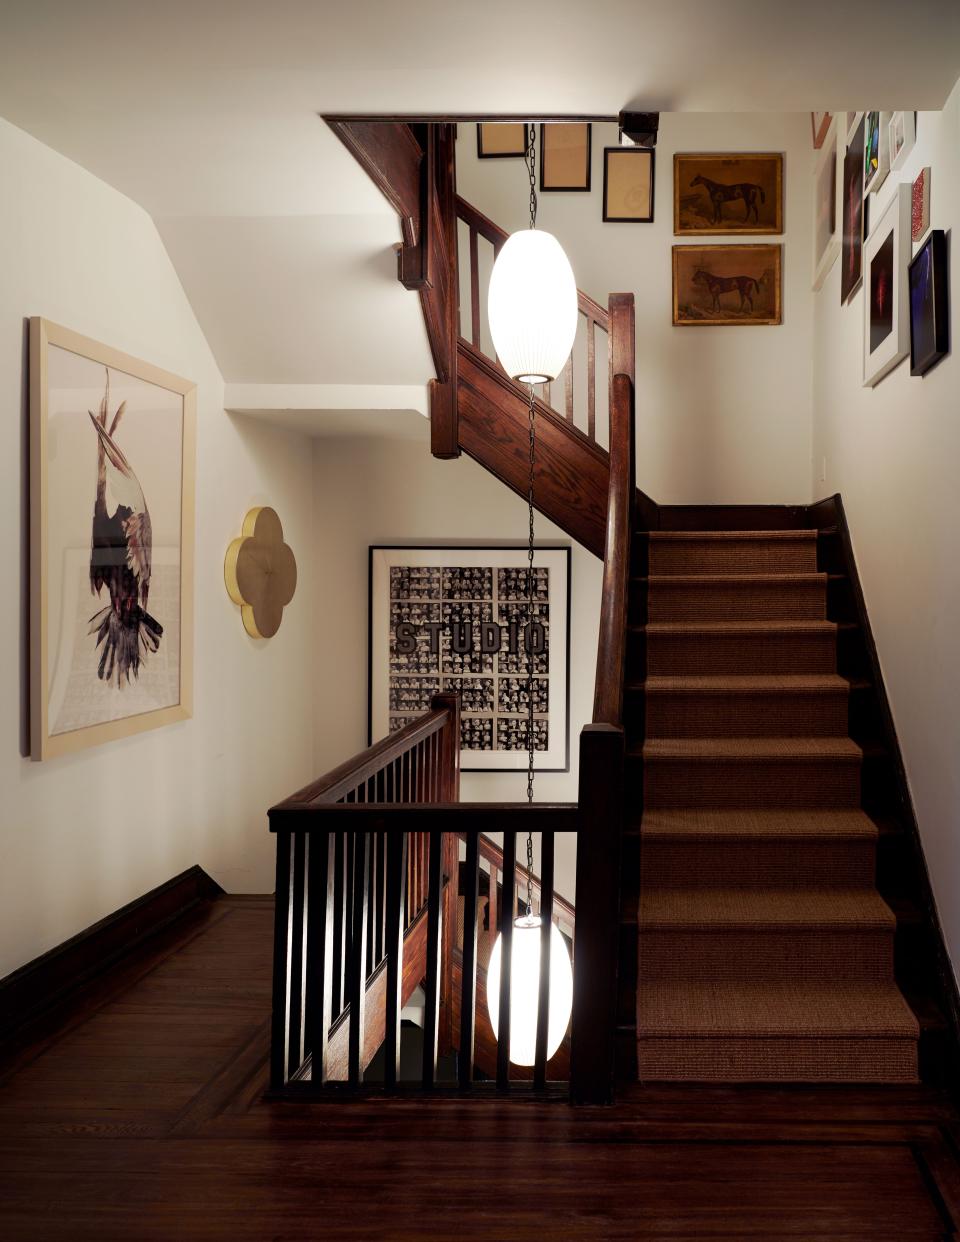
765 951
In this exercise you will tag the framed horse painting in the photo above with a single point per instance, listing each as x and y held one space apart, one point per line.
728 193
722 286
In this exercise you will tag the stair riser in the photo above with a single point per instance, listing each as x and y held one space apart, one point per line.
749 863
720 556
777 1060
825 783
767 955
795 601
674 655
718 714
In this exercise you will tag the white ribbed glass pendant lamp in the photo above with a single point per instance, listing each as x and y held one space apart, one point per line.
525 989
532 301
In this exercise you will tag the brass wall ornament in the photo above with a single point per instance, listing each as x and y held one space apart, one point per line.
260 572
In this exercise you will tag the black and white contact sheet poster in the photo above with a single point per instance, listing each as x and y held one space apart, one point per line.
445 618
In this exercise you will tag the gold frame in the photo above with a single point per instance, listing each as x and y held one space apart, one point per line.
777 319
43 333
737 228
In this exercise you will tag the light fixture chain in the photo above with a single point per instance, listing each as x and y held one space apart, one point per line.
532 170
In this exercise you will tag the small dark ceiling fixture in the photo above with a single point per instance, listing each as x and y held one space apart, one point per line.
639 129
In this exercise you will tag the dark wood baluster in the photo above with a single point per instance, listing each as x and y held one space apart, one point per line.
432 986
393 950
371 904
351 841
320 889
492 907
568 387
547 843
474 290
380 896
339 923
591 380
357 980
506 961
468 994
279 1040
296 953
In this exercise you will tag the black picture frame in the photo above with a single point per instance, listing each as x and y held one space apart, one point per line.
500 155
643 152
490 552
851 247
565 189
930 341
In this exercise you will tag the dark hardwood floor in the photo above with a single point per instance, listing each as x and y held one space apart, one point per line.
139 1114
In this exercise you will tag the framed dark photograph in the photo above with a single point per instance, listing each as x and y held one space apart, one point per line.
886 332
851 250
727 285
565 156
628 184
740 193
501 140
454 618
929 304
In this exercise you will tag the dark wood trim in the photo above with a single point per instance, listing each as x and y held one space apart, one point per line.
426 817
55 976
455 118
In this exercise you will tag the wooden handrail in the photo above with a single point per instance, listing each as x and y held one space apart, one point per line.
494 855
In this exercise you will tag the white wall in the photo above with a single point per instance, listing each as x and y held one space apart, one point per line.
82 835
723 414
893 453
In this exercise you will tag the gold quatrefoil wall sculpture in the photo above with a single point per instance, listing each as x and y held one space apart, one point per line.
261 573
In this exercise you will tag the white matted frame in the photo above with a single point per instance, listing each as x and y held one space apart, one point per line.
71 705
827 203
423 585
878 125
886 282
901 135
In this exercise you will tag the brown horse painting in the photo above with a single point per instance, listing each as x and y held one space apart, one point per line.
746 286
752 195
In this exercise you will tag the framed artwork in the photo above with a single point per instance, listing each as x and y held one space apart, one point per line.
929 304
728 193
455 618
901 135
500 140
723 285
827 206
920 205
628 184
820 122
876 155
111 543
565 156
851 250
886 329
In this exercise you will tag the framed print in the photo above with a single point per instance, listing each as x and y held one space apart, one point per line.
851 252
901 135
723 285
920 205
500 140
929 304
876 155
728 193
821 124
111 543
628 184
455 618
565 156
827 207
886 331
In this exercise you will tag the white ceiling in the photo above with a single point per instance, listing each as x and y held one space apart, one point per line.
205 113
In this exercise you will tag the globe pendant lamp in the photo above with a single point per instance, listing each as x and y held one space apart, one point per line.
532 308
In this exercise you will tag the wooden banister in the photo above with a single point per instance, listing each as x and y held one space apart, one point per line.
493 854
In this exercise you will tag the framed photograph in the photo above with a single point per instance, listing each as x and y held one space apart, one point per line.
455 618
886 329
901 135
111 543
851 251
929 304
728 193
821 124
920 205
723 285
628 184
565 156
827 206
876 156
501 140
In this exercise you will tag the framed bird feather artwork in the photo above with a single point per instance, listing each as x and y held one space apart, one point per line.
111 543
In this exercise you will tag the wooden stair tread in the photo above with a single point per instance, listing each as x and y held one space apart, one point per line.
744 629
681 536
747 909
728 580
733 683
693 823
750 748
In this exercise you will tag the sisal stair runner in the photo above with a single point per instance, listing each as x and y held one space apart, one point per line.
765 952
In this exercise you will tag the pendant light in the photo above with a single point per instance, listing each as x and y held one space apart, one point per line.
532 308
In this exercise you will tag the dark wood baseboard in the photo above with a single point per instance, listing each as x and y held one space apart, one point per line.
48 980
